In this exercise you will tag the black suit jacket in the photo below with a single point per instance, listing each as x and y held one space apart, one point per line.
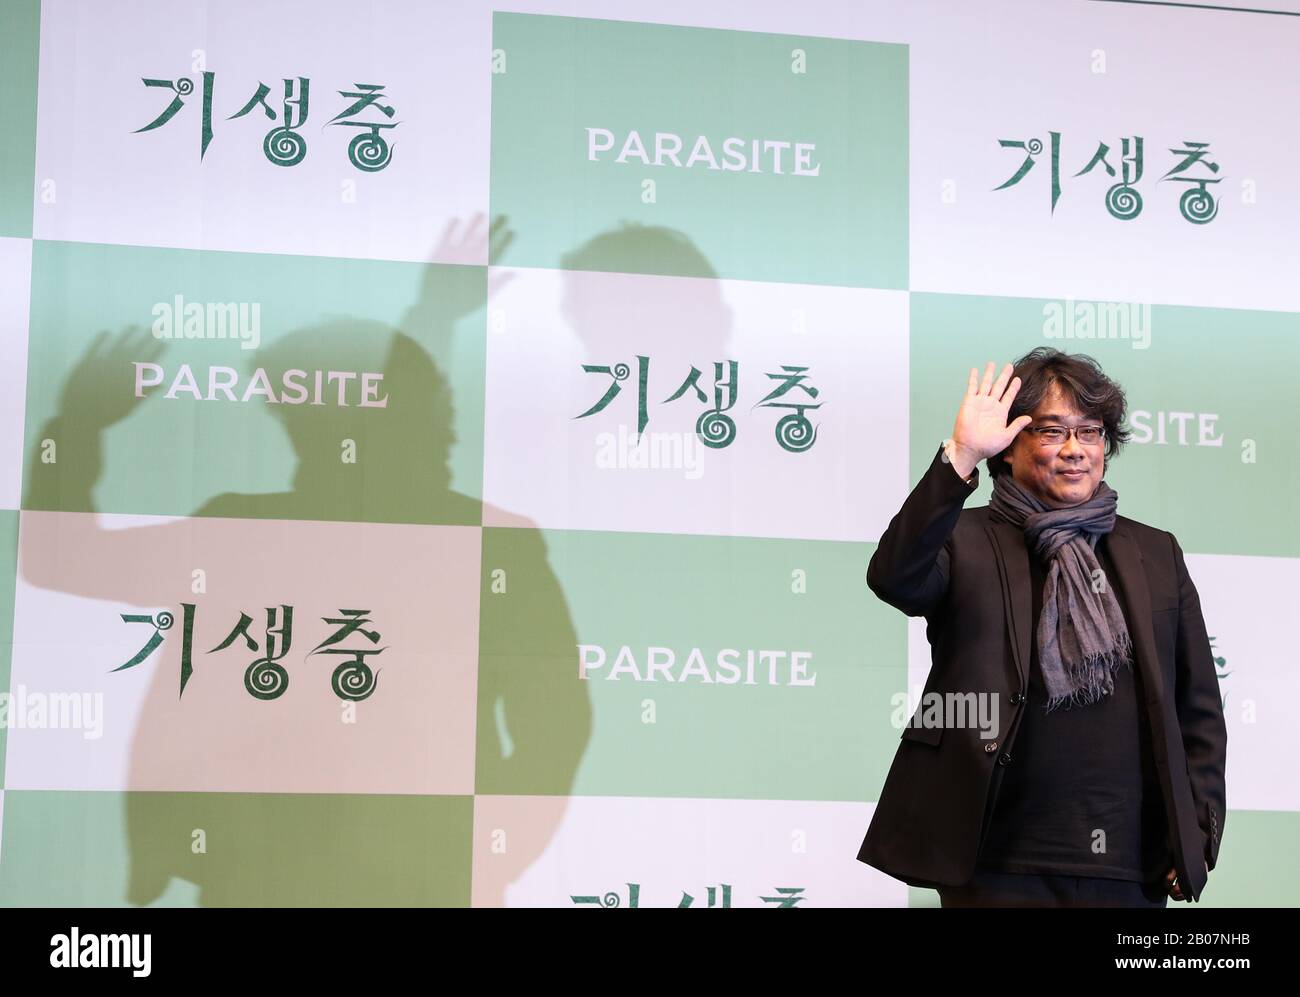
969 577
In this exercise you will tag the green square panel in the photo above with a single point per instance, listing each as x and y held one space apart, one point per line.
20 30
717 667
86 849
1202 410
254 386
647 148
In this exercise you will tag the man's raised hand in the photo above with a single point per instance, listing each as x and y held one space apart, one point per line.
981 428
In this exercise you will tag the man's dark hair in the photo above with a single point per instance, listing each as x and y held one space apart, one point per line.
1081 380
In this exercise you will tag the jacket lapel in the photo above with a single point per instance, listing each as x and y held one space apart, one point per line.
1012 555
1136 597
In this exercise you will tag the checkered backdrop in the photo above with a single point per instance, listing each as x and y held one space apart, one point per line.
442 446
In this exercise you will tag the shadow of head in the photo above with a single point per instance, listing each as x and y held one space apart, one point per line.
360 383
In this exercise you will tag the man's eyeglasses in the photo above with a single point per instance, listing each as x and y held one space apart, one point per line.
1054 436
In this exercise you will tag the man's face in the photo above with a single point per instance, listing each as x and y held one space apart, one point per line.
1061 475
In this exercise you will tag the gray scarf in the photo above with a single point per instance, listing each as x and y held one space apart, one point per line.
1082 636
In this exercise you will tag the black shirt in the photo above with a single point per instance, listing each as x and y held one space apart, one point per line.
1077 771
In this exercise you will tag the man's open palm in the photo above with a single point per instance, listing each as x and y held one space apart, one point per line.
981 426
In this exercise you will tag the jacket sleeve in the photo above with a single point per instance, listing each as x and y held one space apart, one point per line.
909 569
1200 712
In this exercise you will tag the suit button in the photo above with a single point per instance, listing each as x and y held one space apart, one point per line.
1017 697
991 747
1004 759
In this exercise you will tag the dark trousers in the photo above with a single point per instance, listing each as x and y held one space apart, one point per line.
1017 889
